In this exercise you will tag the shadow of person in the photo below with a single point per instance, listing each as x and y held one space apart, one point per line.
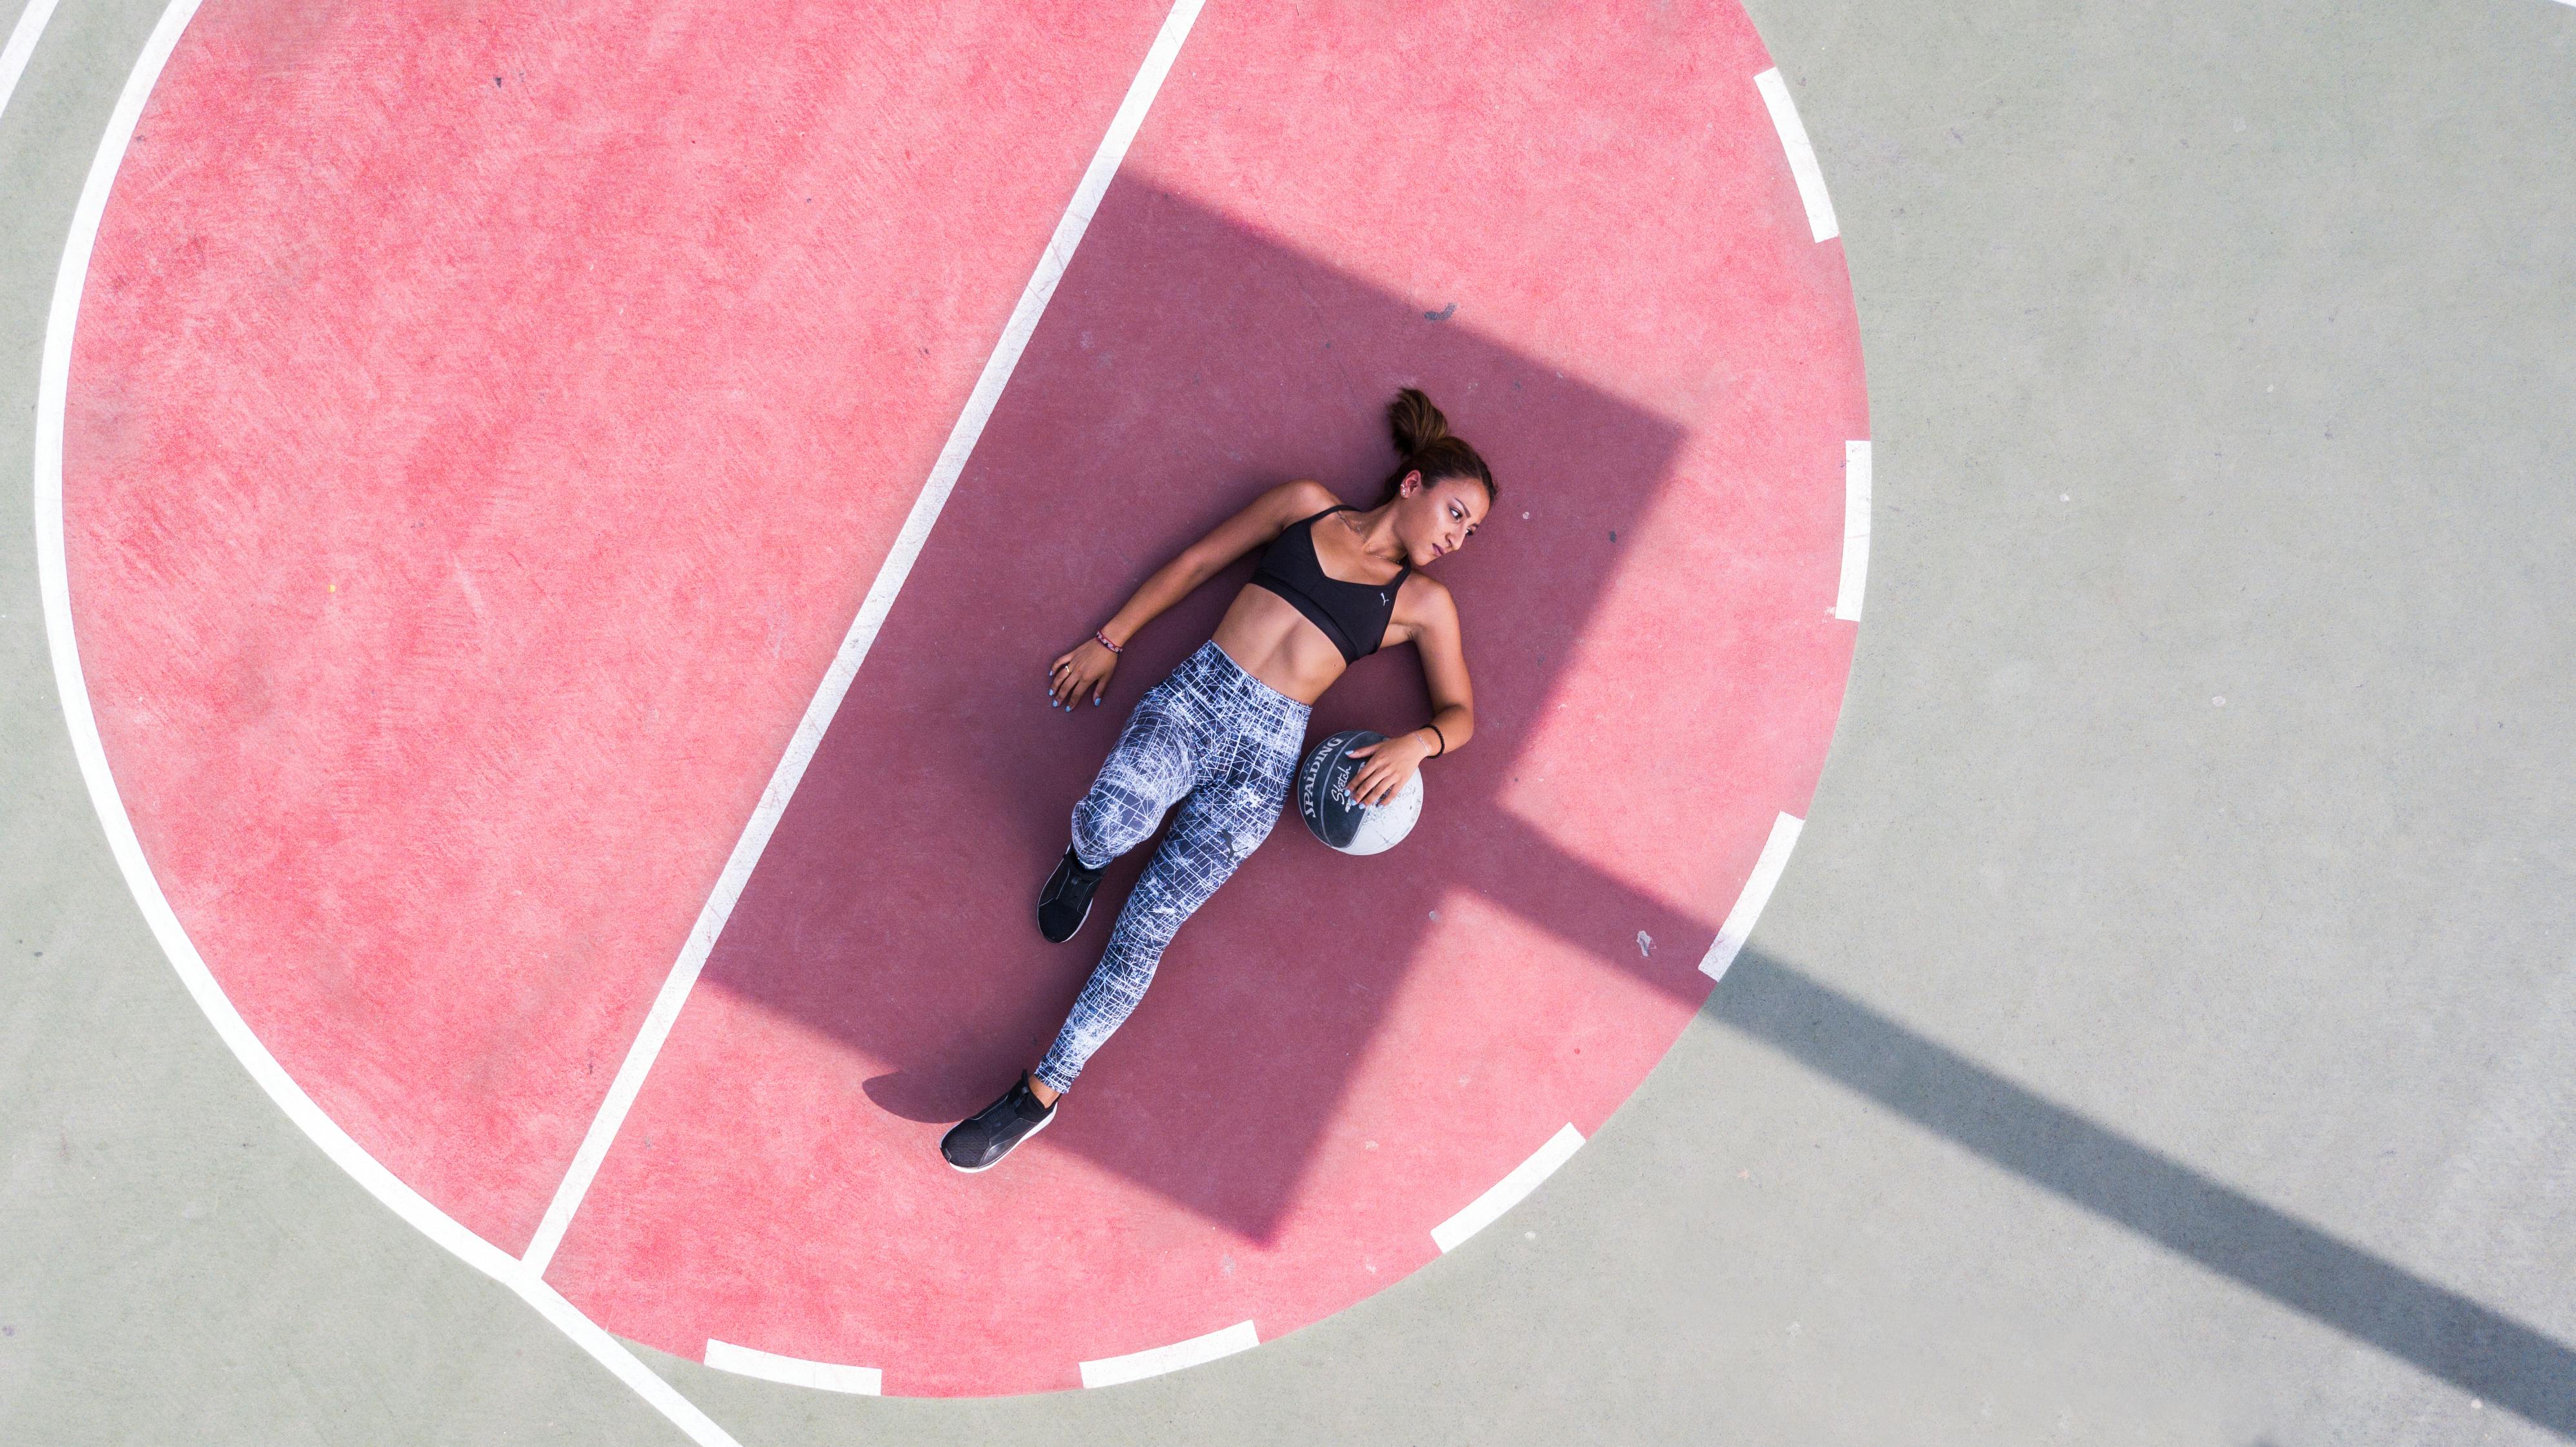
929 1097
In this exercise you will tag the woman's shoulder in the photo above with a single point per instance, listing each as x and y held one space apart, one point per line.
1421 596
1304 497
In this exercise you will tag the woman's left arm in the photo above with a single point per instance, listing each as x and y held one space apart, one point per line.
1453 703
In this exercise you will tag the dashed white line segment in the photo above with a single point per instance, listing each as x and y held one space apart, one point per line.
794 1371
1855 531
1757 892
863 632
1507 1192
1802 156
1110 1371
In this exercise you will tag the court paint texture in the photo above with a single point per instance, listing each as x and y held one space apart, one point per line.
550 420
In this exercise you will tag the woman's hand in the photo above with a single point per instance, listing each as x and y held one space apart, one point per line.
1084 670
1390 763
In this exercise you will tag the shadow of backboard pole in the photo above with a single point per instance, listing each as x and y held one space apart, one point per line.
2420 1322
2303 1268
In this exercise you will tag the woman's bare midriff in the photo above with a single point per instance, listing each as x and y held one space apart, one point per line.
1268 638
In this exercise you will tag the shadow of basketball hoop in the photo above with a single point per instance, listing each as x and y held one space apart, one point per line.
1187 363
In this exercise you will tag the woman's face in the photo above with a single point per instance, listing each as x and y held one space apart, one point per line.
1436 519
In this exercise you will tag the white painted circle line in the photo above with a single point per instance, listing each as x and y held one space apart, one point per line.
22 44
794 1371
1757 892
1855 531
53 581
1802 156
525 1276
1023 324
1110 1371
1507 1192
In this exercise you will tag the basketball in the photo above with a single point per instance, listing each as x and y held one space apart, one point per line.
1323 797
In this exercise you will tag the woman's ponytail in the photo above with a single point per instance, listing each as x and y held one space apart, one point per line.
1414 421
1424 443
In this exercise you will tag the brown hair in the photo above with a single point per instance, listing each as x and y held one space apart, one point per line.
1424 442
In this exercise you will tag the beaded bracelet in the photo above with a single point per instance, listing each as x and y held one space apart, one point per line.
1105 643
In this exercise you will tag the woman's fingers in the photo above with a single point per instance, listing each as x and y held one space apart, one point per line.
1373 785
1067 678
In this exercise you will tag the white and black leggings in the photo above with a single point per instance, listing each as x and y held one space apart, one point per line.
1224 746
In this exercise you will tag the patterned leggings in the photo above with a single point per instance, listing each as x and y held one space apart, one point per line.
1222 744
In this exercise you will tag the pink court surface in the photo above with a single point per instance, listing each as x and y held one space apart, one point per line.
485 423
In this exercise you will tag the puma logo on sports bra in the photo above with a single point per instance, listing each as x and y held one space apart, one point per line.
1343 610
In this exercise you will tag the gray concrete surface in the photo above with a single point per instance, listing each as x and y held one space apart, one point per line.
2113 1065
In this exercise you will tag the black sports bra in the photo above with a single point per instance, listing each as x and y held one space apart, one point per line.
1352 615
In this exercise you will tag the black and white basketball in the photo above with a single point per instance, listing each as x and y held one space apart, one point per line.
1323 797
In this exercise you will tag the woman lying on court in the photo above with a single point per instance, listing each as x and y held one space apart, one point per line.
1222 734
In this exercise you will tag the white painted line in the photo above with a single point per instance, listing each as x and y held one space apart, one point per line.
1507 1192
794 1371
53 582
862 635
1855 531
1802 156
1757 892
22 44
1110 1371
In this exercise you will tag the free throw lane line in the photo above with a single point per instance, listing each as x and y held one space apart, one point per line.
1802 156
863 632
53 388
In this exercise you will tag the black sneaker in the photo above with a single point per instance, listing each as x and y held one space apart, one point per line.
975 1143
1066 901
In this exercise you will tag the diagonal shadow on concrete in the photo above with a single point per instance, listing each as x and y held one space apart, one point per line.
2306 1269
2428 1325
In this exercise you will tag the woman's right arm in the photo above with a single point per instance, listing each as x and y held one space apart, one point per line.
1085 669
